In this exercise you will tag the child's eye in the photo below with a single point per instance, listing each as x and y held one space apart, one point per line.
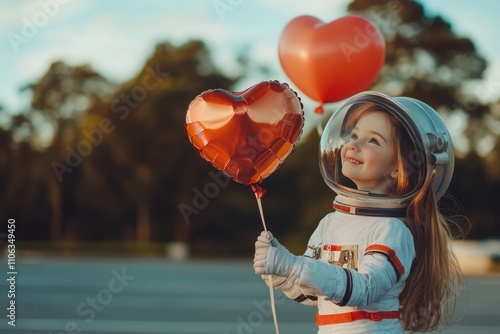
374 141
353 136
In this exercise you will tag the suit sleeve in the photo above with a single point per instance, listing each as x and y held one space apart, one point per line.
386 261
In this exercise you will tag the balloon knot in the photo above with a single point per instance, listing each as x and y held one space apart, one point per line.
319 109
258 190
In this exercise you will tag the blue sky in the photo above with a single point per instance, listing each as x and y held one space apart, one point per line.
116 37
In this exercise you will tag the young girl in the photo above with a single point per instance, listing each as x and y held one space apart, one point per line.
380 263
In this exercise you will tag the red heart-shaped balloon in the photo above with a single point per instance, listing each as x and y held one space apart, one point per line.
331 61
246 134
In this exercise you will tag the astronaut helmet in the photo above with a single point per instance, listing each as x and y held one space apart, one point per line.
421 144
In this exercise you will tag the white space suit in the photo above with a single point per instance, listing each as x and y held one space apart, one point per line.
384 250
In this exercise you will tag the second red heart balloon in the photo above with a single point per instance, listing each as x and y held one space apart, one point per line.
331 61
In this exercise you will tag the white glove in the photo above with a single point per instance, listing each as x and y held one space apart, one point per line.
264 241
271 258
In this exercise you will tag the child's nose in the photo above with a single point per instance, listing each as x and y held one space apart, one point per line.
353 145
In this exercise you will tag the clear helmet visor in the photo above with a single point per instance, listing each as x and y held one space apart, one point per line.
420 141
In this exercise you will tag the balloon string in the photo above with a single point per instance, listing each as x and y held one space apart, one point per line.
269 277
273 307
319 128
259 204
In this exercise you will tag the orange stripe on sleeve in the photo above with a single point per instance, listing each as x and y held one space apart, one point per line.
389 253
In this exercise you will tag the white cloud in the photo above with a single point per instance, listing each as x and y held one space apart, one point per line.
11 14
323 10
180 27
15 16
101 43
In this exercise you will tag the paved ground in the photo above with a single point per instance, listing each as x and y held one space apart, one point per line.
153 296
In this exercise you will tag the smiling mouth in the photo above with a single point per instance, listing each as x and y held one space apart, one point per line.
353 161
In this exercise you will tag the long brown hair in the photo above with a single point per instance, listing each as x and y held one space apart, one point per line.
431 290
429 297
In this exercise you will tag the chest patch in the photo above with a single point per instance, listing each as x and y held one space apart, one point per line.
345 256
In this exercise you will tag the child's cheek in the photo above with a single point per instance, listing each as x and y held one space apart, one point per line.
343 150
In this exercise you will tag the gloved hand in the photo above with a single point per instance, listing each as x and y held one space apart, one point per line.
271 258
277 282
261 247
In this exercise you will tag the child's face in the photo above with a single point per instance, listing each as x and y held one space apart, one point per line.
367 159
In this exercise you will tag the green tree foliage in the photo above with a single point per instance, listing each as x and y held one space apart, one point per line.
149 157
40 134
425 59
142 163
